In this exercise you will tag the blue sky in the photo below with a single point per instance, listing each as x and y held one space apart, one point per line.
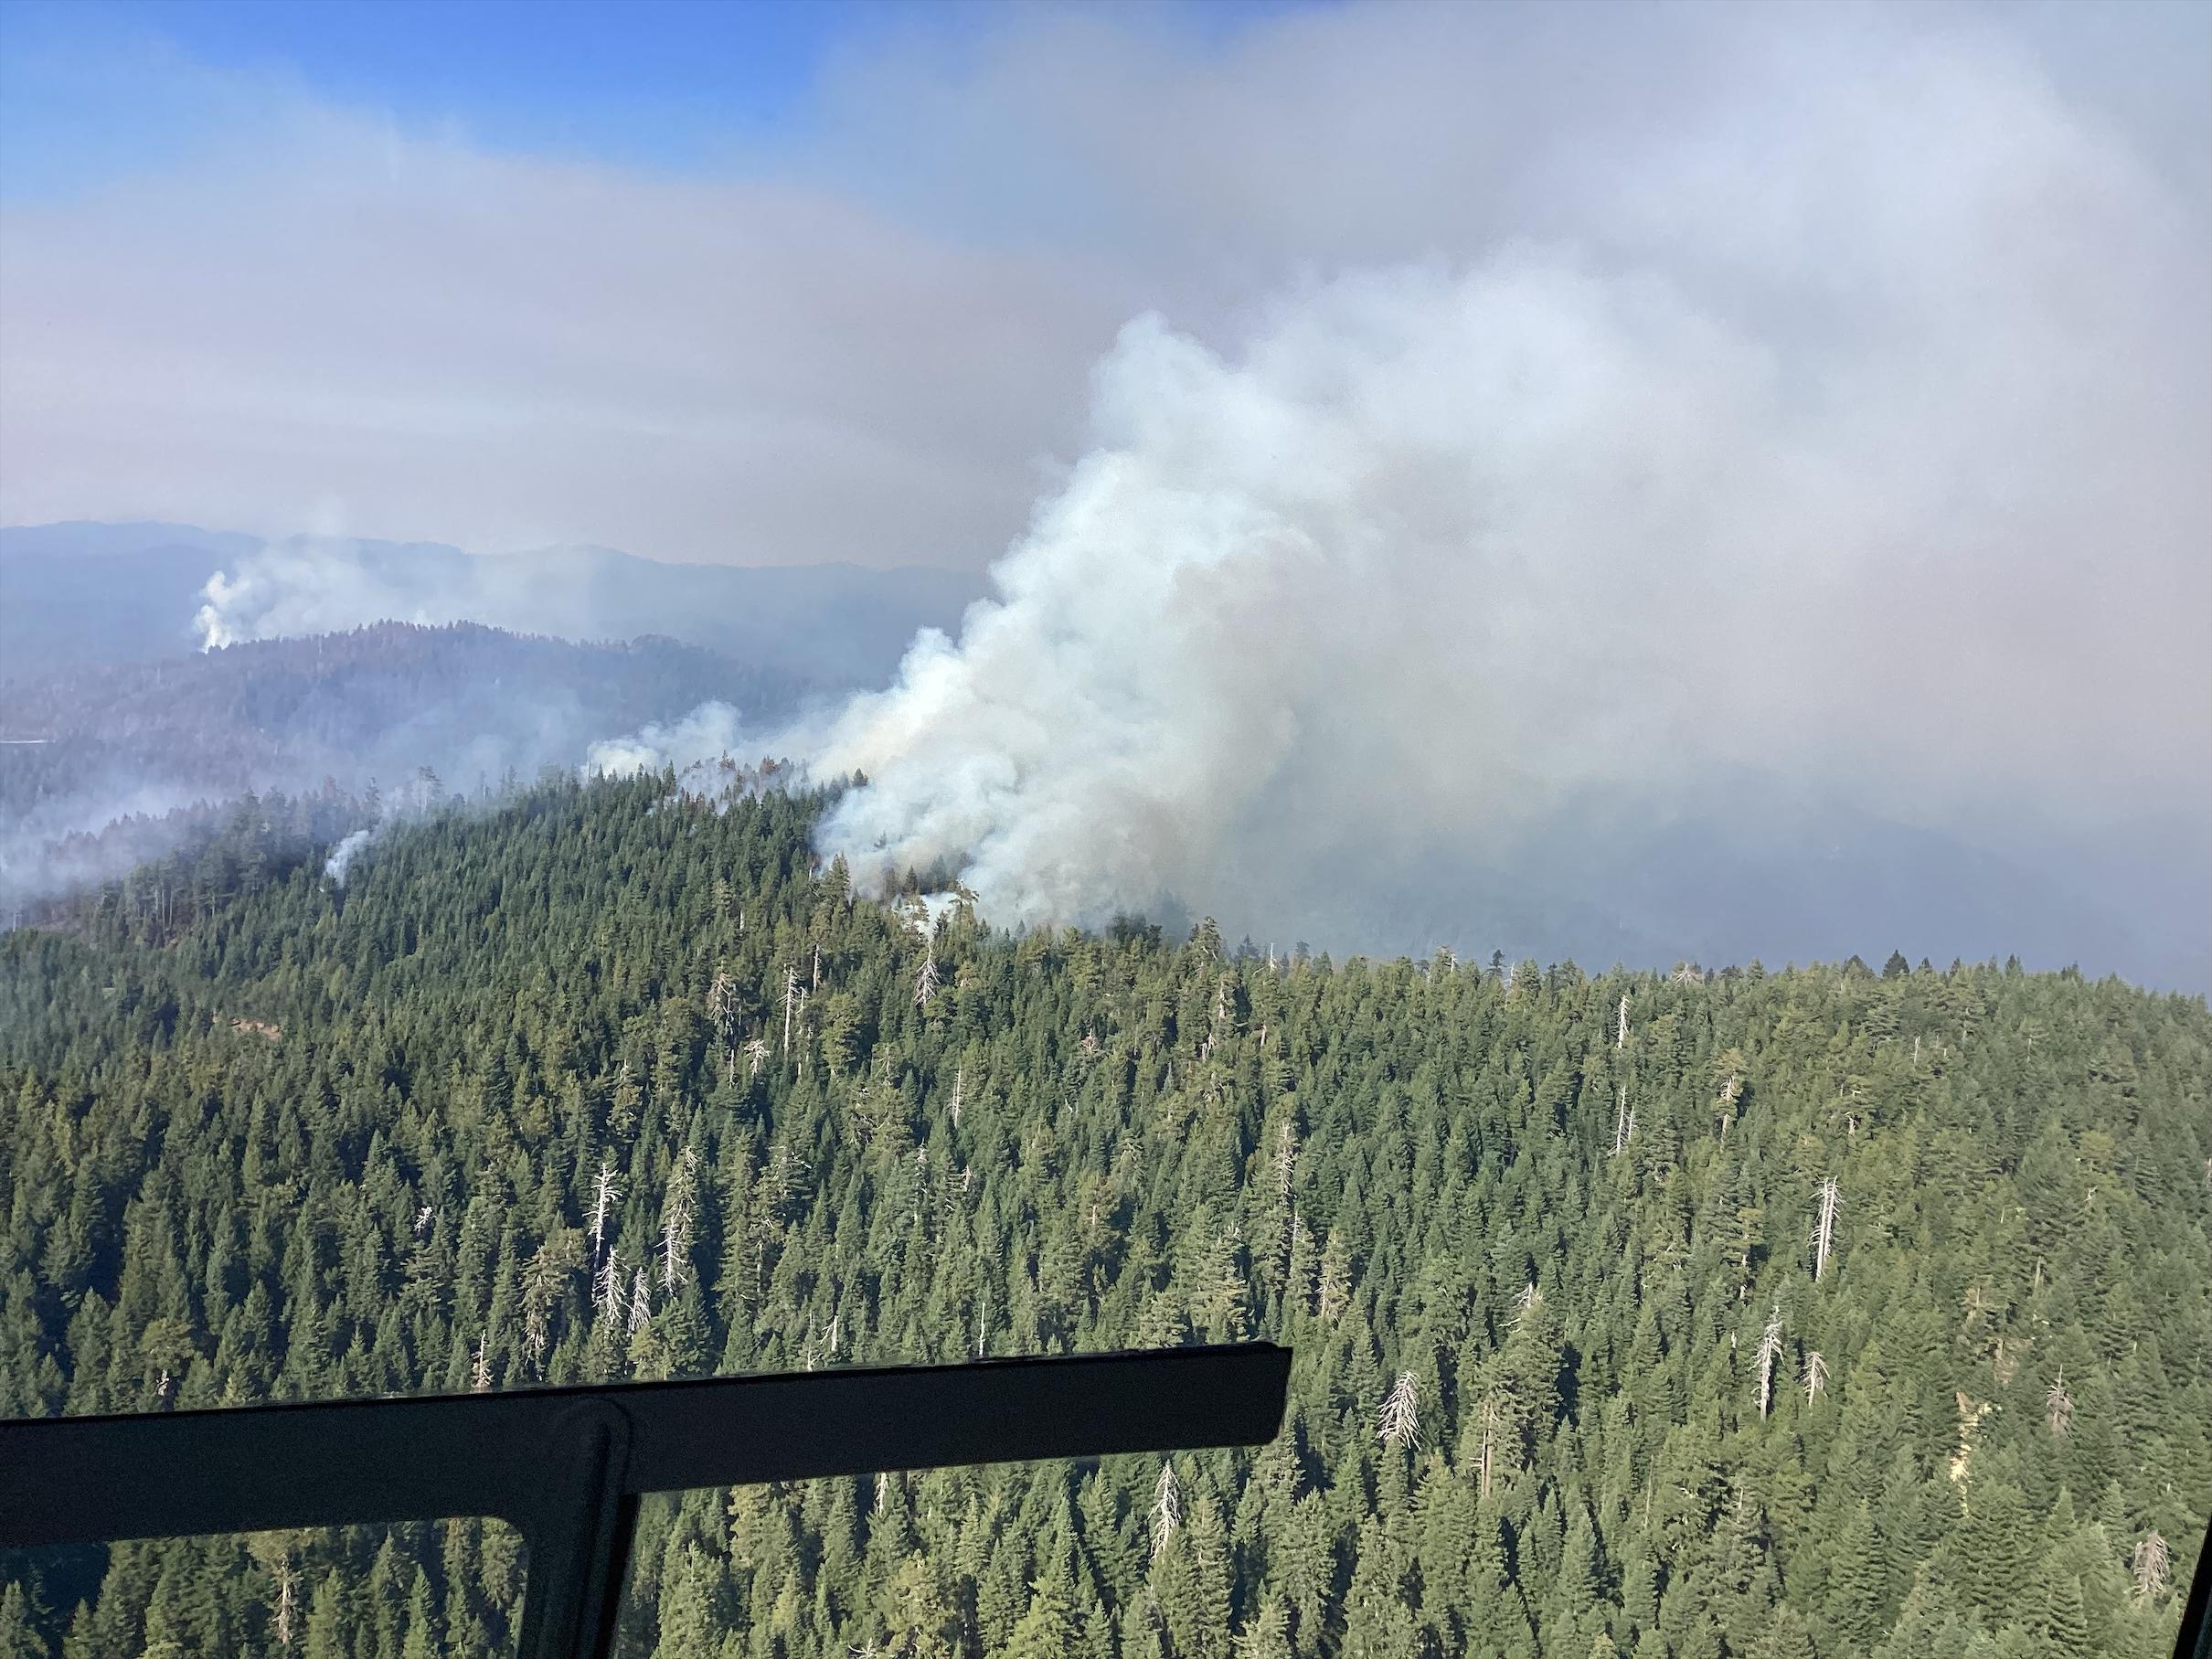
105 87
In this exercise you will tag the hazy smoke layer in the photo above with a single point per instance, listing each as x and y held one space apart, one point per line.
707 732
321 585
1865 452
835 625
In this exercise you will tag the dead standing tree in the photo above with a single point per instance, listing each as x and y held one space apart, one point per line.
1824 1229
1490 1420
543 1281
605 1191
606 1290
1286 1177
1624 1123
791 1001
1770 1350
676 1219
1525 1302
277 1554
1398 1422
1166 1508
722 1010
2150 1566
1816 1374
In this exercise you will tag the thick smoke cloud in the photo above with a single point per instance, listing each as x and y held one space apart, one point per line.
1864 458
1565 444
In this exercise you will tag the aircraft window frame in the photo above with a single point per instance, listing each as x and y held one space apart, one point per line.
566 1466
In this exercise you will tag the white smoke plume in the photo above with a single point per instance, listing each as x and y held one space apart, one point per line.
342 854
413 799
705 734
832 625
1867 457
307 585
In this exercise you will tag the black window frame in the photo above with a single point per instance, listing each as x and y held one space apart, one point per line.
566 1467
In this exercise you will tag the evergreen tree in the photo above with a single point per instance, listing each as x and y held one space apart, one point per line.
19 1636
1856 1590
686 1625
1046 1631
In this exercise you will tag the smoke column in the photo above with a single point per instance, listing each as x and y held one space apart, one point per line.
342 856
1799 453
1869 469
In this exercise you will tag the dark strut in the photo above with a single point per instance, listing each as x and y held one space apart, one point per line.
566 1466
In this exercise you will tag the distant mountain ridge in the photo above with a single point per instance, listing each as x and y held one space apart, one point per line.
149 725
72 594
1781 878
78 593
130 745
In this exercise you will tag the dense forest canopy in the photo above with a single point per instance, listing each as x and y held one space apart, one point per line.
1823 1311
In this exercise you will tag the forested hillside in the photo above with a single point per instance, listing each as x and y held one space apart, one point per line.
107 766
1821 1312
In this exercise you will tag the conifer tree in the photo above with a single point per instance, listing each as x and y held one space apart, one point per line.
1046 1631
686 1629
19 1637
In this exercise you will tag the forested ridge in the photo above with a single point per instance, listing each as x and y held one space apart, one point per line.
110 765
1820 1311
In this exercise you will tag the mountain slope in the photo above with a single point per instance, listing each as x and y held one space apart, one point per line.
72 594
327 1141
83 747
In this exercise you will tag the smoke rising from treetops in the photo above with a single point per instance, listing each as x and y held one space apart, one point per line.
1679 438
1863 456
